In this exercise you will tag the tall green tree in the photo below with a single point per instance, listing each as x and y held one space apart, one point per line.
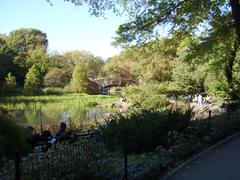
6 60
21 41
217 50
33 80
80 81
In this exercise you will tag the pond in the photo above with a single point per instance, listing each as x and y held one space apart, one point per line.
49 111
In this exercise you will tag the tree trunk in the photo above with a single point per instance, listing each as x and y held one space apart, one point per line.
230 63
235 5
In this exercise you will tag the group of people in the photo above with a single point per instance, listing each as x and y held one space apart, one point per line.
201 100
45 139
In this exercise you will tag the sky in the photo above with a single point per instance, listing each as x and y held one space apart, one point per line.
67 27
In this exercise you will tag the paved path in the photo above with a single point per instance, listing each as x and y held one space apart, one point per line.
221 163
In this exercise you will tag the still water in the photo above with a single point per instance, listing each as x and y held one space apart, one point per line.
49 118
45 111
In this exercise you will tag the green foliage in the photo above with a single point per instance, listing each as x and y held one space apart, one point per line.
186 16
183 76
80 82
144 131
10 81
195 138
151 62
219 89
6 61
33 80
56 77
22 41
149 97
152 96
92 63
39 57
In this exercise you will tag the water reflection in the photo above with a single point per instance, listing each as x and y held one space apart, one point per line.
52 117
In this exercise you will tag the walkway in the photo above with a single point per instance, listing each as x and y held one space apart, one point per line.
221 163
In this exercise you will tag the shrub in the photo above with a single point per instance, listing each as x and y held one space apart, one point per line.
149 97
144 131
12 136
219 89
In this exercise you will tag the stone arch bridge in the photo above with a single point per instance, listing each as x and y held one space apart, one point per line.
107 83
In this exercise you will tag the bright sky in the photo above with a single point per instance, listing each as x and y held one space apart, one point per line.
67 27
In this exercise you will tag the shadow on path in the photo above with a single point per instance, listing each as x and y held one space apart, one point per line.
221 163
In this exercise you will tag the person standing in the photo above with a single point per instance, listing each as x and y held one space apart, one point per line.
61 133
200 99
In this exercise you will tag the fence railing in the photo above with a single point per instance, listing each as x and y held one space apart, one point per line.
83 159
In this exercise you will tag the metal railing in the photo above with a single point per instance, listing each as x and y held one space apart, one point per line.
83 159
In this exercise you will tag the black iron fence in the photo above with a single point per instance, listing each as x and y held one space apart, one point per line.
83 159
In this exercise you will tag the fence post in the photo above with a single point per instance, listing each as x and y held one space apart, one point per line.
17 165
209 118
125 165
228 115
125 151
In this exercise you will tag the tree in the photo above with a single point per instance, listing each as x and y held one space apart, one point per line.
183 76
6 61
33 80
24 39
217 51
121 66
10 81
151 62
188 16
147 16
80 81
39 57
93 64
21 41
56 77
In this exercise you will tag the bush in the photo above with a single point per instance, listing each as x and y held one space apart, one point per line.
219 89
144 131
12 136
149 97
